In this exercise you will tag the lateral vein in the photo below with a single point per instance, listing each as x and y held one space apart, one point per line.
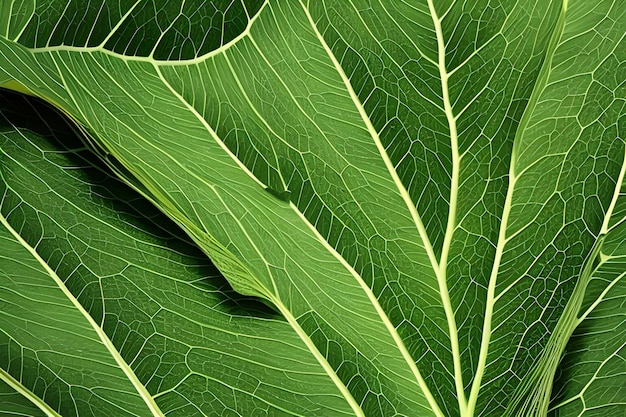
28 394
126 369
156 62
320 358
381 313
405 196
502 234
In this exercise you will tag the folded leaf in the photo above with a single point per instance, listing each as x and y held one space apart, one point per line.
422 190
181 340
590 378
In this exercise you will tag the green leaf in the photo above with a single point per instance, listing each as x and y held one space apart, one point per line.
156 305
428 193
49 339
590 378
16 401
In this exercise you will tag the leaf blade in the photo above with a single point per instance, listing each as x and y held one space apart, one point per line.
164 306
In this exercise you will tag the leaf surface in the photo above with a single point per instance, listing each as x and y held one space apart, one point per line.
423 191
165 310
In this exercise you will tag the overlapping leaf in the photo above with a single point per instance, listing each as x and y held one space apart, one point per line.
421 190
174 323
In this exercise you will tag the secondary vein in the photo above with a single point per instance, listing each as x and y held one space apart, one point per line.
126 369
403 192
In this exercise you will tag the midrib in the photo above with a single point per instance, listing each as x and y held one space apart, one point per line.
442 267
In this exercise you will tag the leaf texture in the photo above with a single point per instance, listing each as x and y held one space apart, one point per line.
429 193
164 307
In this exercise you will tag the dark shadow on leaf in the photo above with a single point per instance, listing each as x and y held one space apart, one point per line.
133 211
